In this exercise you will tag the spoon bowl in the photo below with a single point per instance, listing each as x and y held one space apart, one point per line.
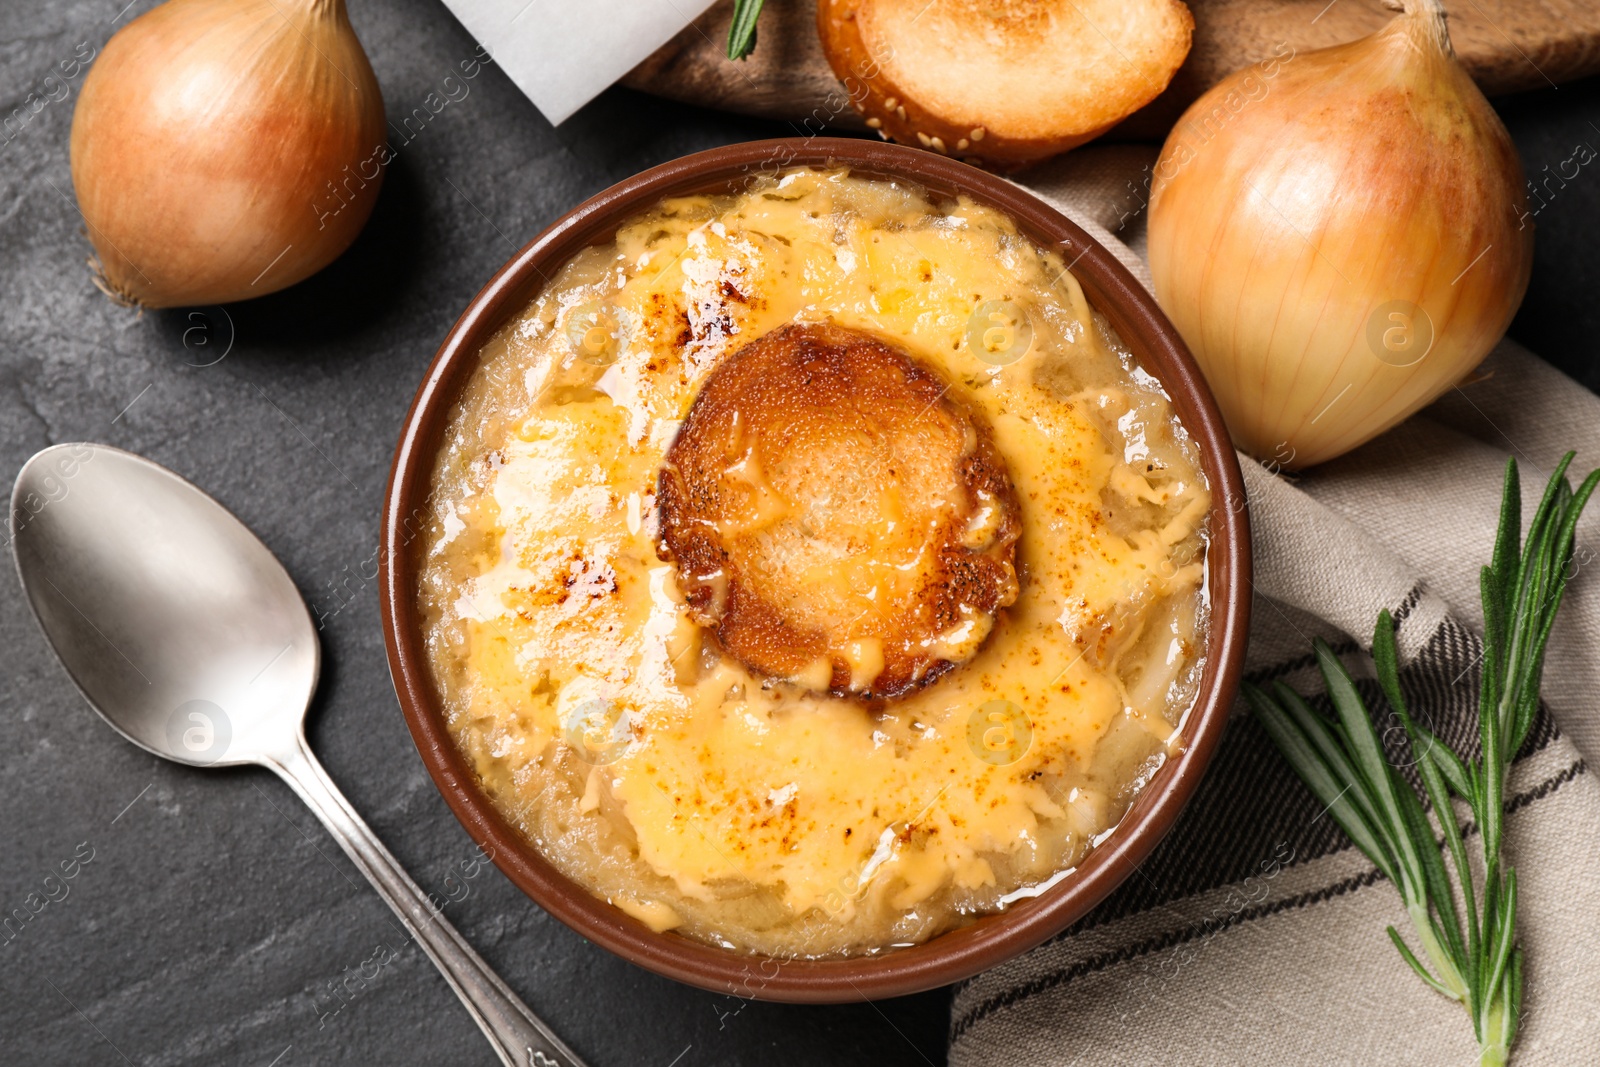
175 621
187 635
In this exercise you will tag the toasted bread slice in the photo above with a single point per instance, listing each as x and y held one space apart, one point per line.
838 518
1002 82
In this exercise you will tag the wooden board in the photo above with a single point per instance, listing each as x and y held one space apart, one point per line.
1508 46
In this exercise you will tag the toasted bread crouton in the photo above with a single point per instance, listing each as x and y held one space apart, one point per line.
1002 82
838 517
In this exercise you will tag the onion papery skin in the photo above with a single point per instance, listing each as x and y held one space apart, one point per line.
1337 189
225 149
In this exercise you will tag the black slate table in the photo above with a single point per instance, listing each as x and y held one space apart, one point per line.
209 919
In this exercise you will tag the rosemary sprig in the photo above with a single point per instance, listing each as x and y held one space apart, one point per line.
742 30
1468 954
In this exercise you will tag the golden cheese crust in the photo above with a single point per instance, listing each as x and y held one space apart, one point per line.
1002 82
837 517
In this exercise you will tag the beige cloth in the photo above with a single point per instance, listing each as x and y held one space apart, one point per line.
1254 933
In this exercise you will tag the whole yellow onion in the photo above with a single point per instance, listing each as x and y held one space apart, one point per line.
224 149
1340 237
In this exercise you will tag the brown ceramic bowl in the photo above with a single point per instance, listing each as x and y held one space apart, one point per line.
959 953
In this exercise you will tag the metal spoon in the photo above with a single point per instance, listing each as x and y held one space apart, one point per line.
189 638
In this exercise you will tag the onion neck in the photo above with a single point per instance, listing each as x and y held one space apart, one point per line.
323 9
1429 16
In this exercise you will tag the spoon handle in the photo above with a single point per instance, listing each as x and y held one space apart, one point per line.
521 1039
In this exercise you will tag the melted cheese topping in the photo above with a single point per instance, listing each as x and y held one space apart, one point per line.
747 811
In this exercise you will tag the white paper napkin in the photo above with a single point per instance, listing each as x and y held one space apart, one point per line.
563 53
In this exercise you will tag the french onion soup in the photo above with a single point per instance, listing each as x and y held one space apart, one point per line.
811 570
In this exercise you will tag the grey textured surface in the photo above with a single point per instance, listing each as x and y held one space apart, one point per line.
215 918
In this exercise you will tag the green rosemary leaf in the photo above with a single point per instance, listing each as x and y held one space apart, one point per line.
1534 591
1561 570
1435 879
1569 521
1505 930
1492 779
1332 791
1531 590
1355 724
1491 587
1449 764
1492 900
1367 753
1507 541
1498 582
1320 733
742 30
1416 964
1386 660
1434 780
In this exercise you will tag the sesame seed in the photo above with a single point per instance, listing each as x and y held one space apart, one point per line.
891 102
927 142
901 111
978 132
961 145
873 124
938 145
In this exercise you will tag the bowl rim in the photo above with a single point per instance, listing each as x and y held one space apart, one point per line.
956 954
